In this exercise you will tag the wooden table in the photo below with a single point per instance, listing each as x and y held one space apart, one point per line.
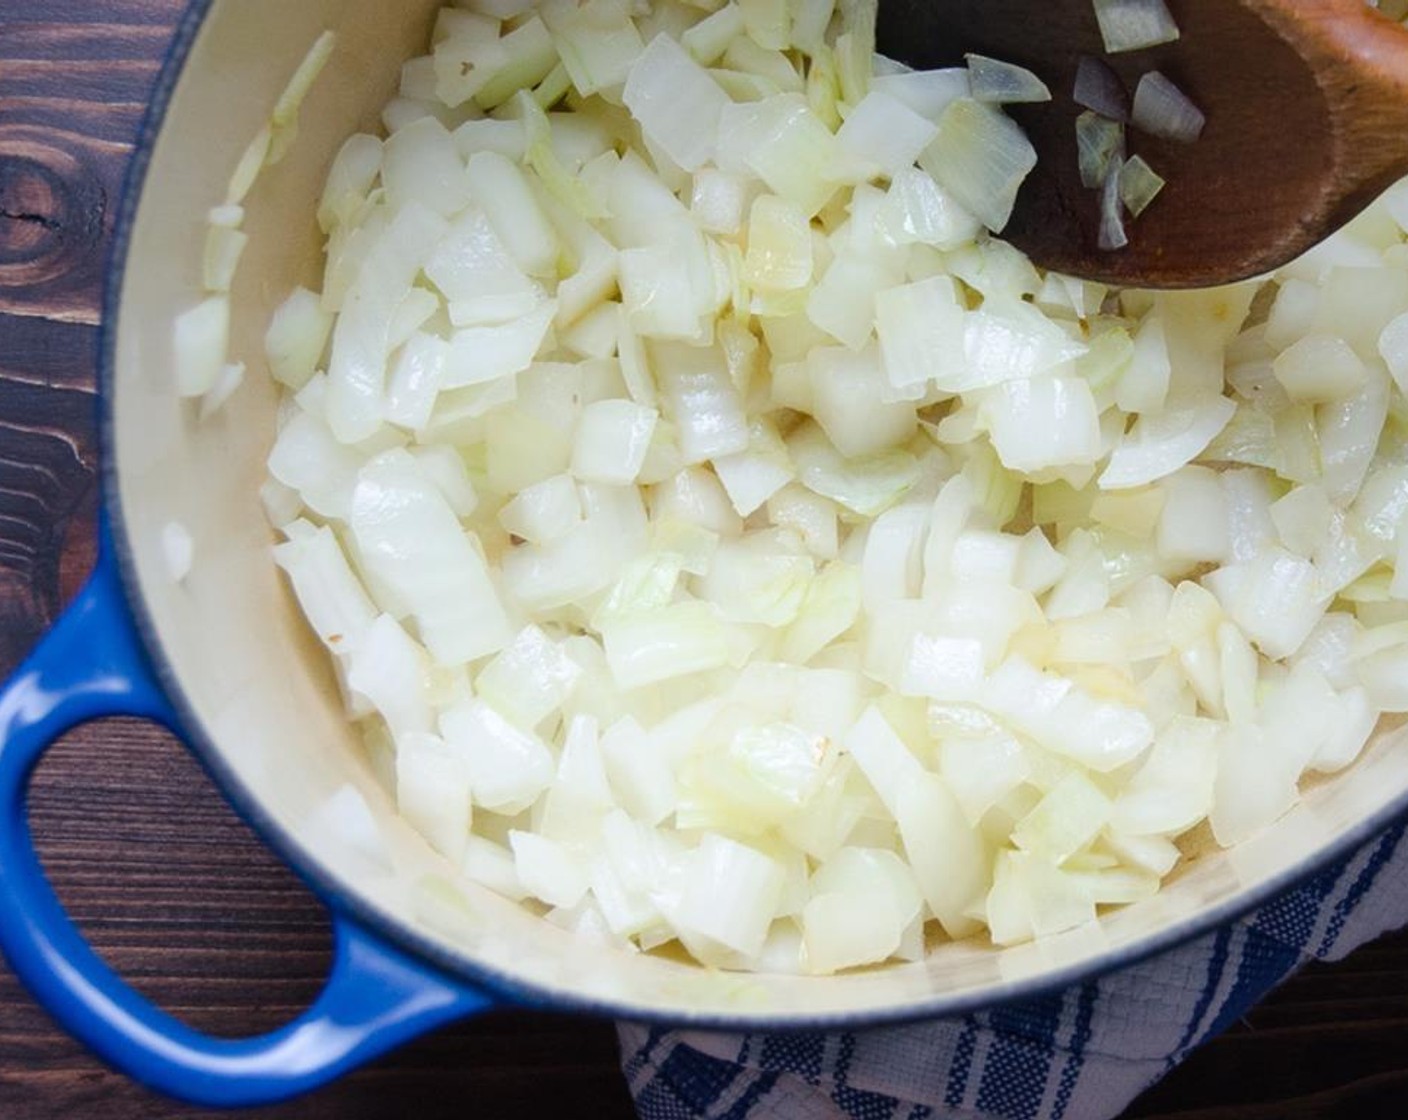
173 890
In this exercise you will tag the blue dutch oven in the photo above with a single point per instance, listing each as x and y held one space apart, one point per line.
222 659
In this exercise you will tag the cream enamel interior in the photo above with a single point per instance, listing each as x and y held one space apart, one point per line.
257 682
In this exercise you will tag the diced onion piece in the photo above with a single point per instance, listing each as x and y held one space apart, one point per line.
1112 232
948 669
918 211
668 288
828 610
291 100
1319 367
177 550
1161 443
781 141
332 598
421 164
612 439
1132 25
676 102
847 401
867 486
297 337
863 901
982 158
950 860
476 273
547 870
223 248
779 254
730 894
597 43
754 476
509 768
1002 83
1349 430
1100 146
251 163
530 679
928 92
810 19
432 793
388 667
719 200
1099 89
1275 599
1140 184
707 40
1064 821
350 179
502 191
416 380
758 579
700 397
921 328
981 768
408 535
884 133
483 354
843 304
1043 422
1162 109
200 341
1393 348
887 763
1193 524
673 641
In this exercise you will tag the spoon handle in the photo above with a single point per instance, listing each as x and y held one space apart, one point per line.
1360 58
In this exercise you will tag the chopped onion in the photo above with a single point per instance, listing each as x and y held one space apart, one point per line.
1133 25
1100 144
432 793
1002 83
200 341
1160 445
1112 232
719 537
508 767
982 158
177 550
883 132
1140 184
410 538
1099 89
676 102
1162 109
928 92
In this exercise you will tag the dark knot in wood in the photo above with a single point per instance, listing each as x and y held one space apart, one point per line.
52 207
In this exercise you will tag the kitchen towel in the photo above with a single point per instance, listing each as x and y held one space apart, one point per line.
1079 1054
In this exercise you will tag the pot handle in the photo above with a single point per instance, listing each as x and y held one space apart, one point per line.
92 664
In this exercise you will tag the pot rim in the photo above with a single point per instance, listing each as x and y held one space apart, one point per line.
335 894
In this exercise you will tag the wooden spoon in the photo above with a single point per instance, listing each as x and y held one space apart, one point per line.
1307 107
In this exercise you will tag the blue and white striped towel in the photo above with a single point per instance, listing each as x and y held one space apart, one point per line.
1081 1054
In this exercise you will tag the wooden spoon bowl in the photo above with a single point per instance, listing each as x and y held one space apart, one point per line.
1307 107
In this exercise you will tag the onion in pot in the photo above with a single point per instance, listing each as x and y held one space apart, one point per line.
675 461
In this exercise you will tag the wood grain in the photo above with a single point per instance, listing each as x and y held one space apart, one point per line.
172 888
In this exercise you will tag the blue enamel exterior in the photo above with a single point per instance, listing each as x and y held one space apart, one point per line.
93 664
